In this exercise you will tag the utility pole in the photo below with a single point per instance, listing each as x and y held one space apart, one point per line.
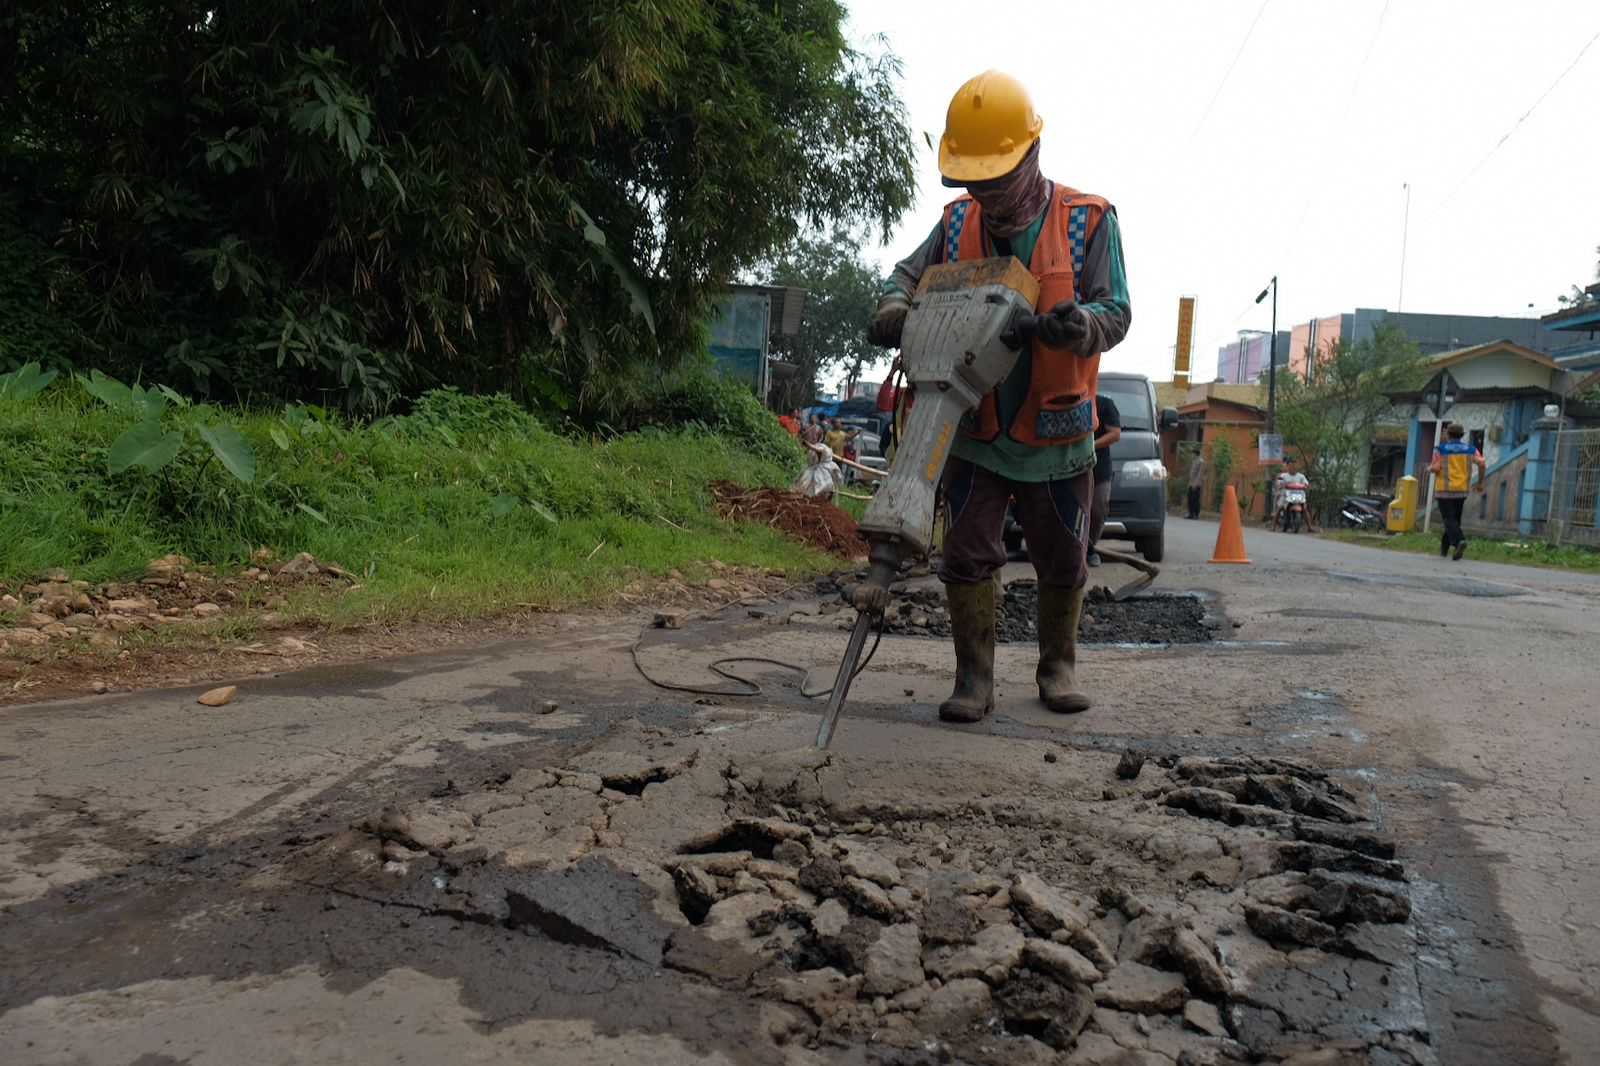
1272 387
1272 357
1405 231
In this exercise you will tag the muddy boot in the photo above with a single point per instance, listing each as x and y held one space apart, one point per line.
1060 611
972 625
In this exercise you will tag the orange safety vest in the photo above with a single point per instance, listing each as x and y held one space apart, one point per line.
1059 408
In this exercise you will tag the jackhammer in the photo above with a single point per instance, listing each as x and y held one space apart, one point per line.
961 338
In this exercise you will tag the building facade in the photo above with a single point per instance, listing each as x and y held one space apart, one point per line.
1433 334
1245 360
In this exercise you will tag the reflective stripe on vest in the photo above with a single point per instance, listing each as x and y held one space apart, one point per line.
1059 407
1455 471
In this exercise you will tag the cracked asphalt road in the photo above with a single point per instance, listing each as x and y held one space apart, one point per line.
1462 695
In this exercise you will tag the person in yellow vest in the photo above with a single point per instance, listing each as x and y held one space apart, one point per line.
836 438
1031 441
1453 462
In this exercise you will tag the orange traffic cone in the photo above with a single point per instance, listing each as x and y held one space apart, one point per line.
1230 538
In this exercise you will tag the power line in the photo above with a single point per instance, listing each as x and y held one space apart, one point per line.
1229 72
1506 136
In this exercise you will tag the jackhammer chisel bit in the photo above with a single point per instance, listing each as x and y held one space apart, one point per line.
958 344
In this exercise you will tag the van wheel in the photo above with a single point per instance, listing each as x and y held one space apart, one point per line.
1152 548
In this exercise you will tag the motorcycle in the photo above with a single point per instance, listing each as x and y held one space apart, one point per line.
1292 512
1364 512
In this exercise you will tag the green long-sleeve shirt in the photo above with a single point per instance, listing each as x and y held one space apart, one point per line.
1104 289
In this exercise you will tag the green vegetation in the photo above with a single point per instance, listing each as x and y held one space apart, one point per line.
353 203
1327 421
1223 459
842 289
464 506
1484 549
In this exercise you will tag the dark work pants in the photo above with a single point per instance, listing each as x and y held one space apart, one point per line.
1450 511
1054 516
1194 501
1098 510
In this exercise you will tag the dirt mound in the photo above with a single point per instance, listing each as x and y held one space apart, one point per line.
815 522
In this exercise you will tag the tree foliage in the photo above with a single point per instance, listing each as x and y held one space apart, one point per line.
842 290
1327 424
362 200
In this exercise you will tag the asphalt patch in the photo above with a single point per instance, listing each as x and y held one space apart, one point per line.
1152 618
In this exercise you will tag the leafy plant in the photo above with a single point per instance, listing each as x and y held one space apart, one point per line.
1327 424
842 289
1224 457
153 442
25 383
355 203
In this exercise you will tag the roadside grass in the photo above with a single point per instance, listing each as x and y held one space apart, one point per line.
1483 549
468 506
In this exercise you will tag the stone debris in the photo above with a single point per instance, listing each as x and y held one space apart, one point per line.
1199 964
1204 1017
218 697
1130 764
1151 619
894 961
1004 929
1280 926
173 591
1134 986
1045 908
423 828
1046 956
954 1004
992 955
867 864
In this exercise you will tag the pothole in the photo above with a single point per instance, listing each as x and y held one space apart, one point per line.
1149 618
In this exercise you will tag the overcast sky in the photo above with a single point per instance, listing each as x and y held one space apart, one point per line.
1288 156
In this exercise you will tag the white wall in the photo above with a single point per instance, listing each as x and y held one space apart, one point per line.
1479 416
1502 371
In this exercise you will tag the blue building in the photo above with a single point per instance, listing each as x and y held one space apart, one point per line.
747 318
1504 390
1580 326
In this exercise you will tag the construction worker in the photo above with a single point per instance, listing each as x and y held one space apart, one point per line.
1452 466
1032 439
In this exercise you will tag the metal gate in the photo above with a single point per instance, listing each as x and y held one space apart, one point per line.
1575 488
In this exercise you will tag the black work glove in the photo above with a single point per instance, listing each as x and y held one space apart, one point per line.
1065 326
889 320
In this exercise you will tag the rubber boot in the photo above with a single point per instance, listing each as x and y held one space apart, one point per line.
972 624
1060 611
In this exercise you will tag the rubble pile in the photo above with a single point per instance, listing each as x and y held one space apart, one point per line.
173 591
1148 619
1215 911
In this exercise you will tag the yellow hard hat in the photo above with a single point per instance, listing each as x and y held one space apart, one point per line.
990 126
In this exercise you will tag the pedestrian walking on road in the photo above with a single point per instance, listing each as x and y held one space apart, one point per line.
1451 468
1032 439
1109 433
1197 480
